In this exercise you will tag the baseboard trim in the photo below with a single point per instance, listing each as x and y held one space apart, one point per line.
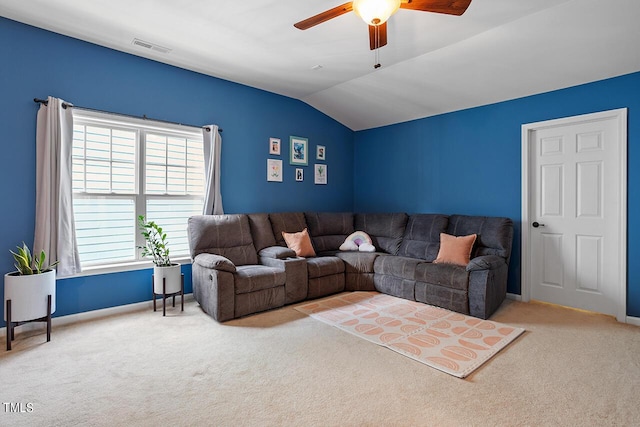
514 297
628 319
633 320
91 315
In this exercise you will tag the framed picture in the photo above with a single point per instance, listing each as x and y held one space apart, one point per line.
299 174
299 151
274 146
274 170
320 174
321 150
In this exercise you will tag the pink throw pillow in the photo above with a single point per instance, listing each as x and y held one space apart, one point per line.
455 249
300 243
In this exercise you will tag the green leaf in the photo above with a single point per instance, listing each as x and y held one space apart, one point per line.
27 265
155 242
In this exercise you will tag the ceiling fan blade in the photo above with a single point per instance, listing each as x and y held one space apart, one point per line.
450 7
324 16
377 36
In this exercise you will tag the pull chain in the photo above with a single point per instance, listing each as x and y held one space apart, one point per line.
376 34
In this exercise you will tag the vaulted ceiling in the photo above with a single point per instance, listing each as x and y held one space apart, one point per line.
433 63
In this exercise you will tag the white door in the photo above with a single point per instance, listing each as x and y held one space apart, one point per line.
576 204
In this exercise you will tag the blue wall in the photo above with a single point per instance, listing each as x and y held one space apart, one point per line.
38 63
468 162
464 162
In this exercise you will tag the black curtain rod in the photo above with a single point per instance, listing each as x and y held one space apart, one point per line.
144 117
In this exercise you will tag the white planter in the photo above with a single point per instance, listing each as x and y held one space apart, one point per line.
172 275
28 295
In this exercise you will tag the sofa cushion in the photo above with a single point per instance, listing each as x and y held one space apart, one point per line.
495 235
386 229
397 266
329 229
226 235
448 275
358 262
422 236
289 222
261 231
455 249
300 243
324 266
251 278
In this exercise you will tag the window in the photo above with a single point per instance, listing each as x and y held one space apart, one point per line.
125 167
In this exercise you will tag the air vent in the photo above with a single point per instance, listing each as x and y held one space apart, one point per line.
150 46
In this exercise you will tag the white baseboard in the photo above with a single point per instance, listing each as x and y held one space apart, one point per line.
514 297
633 320
91 315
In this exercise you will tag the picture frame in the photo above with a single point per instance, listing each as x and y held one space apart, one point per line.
274 146
299 174
298 152
320 174
274 170
321 152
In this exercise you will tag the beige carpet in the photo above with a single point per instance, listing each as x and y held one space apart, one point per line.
284 368
451 342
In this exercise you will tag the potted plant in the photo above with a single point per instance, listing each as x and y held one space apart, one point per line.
28 288
156 247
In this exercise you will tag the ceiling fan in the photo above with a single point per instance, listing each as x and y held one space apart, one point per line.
376 13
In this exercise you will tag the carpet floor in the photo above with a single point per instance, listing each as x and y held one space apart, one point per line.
569 368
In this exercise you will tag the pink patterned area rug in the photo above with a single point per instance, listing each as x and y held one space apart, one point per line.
451 342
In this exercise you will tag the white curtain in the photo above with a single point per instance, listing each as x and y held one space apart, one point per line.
212 149
55 228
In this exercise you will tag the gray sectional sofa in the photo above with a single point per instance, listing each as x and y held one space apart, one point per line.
241 264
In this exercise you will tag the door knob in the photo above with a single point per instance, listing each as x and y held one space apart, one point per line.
536 224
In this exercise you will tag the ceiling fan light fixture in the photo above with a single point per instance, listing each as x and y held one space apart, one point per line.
375 12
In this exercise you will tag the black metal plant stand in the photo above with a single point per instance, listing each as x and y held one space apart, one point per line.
165 295
12 325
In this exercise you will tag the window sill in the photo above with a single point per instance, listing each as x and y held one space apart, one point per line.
122 267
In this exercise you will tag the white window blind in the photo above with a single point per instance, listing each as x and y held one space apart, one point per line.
123 168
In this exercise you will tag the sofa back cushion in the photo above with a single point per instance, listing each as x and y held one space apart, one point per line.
261 231
422 236
385 229
226 235
329 230
495 234
288 222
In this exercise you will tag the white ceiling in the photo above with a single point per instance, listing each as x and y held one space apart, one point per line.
433 63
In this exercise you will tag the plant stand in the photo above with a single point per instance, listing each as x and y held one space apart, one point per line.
11 325
166 295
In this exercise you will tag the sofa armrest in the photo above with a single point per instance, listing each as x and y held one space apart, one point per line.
487 287
277 252
486 262
215 262
214 290
296 285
